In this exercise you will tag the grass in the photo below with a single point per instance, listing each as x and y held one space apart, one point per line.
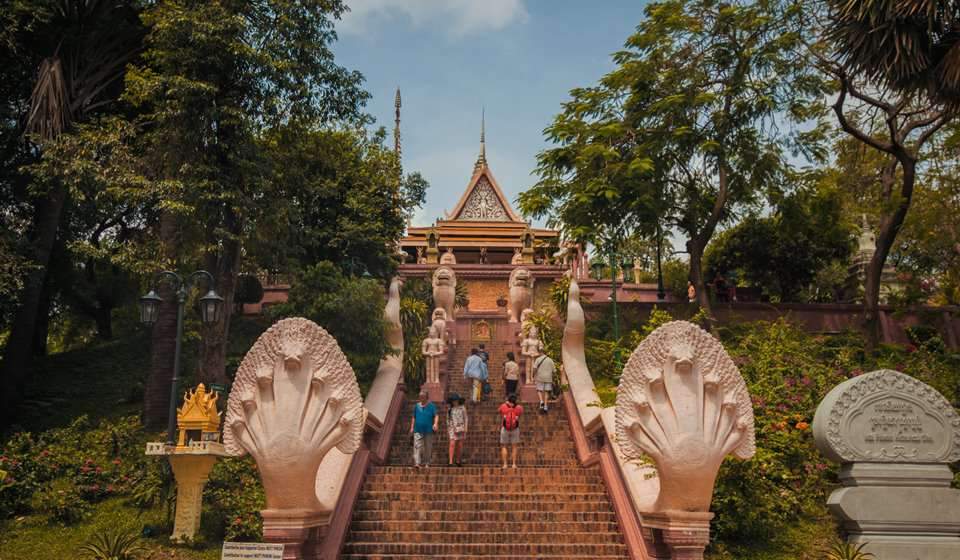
808 539
33 537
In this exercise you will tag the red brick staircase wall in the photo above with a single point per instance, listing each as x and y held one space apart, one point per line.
549 507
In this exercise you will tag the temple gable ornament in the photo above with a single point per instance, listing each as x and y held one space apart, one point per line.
682 402
295 397
483 205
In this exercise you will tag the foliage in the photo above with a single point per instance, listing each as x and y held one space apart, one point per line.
908 45
842 550
249 289
682 132
415 319
235 496
113 545
784 252
560 296
349 308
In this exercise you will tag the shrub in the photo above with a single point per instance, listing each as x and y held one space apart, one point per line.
113 545
62 501
235 497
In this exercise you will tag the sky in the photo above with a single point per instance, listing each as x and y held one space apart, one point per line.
515 59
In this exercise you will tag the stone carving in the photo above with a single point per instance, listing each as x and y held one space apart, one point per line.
445 290
480 330
525 323
439 322
683 403
448 257
483 205
531 348
432 348
295 397
521 293
895 437
888 417
517 257
421 259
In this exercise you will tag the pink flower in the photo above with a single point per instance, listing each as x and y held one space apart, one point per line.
806 380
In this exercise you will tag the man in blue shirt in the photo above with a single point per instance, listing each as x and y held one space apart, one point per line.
423 424
476 369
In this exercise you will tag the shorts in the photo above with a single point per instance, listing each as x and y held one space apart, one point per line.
511 437
545 387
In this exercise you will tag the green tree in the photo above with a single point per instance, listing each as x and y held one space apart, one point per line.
341 201
897 125
213 77
62 64
687 128
783 252
909 45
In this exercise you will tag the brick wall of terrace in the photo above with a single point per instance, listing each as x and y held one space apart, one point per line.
813 317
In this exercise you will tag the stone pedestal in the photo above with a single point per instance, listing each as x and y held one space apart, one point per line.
434 391
191 472
895 438
528 393
300 532
685 534
902 511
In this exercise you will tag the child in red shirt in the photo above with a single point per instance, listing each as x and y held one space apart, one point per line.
510 413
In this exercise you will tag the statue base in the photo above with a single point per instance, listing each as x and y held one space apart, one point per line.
686 534
434 390
301 532
528 393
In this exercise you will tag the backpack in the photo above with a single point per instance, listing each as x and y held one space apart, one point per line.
511 419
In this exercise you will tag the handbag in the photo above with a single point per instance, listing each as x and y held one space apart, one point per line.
487 389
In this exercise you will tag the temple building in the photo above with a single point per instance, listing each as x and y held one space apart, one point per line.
484 239
482 229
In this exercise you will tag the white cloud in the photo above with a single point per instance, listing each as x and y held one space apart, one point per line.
458 18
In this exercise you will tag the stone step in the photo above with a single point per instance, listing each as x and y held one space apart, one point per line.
440 506
446 550
511 477
551 485
526 496
368 556
485 471
486 516
472 526
506 537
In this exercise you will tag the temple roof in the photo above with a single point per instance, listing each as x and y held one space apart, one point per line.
483 200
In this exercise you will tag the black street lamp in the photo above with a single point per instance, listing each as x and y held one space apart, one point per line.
211 306
661 293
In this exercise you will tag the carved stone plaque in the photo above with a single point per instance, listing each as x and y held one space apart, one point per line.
887 417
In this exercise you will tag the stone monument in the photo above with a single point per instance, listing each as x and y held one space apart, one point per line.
432 349
295 397
439 321
521 293
448 257
682 403
445 290
895 438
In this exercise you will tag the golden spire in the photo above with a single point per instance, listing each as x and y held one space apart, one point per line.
482 158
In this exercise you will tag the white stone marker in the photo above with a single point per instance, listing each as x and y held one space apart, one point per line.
251 551
895 438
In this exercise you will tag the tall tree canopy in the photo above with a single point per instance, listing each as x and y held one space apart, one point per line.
688 127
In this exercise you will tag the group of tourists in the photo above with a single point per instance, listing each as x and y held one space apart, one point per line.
424 422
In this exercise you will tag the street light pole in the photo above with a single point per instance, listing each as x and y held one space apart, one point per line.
661 293
210 306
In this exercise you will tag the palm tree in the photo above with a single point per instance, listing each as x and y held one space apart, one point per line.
908 45
80 48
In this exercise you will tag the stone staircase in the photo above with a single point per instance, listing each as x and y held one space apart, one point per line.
549 507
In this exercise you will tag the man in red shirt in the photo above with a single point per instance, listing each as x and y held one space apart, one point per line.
510 413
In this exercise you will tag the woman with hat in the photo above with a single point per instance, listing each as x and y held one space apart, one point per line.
457 424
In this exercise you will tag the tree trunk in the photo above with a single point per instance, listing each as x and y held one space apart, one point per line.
695 248
224 267
164 336
41 331
17 356
890 225
104 321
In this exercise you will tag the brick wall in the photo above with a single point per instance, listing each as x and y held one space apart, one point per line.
484 292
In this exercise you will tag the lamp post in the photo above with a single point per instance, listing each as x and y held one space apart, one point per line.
211 306
661 293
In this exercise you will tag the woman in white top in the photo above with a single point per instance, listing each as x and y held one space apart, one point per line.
511 374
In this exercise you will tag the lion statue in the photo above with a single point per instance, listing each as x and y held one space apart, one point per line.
521 293
445 290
